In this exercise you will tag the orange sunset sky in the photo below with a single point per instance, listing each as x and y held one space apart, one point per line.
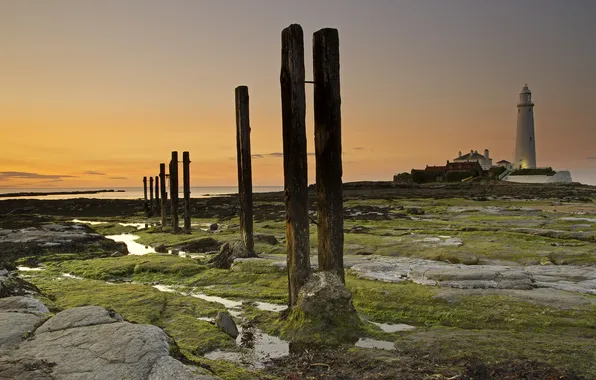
98 93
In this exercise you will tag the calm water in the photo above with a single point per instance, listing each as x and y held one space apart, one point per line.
131 192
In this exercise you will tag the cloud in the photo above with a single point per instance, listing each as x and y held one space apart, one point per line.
91 172
26 175
118 178
358 148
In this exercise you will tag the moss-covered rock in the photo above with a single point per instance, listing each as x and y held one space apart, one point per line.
324 313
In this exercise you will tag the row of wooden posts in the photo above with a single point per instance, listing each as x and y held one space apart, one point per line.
328 151
159 204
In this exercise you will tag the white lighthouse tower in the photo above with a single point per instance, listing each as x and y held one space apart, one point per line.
525 144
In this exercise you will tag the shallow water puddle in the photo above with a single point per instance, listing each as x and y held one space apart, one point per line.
374 343
95 222
260 348
390 327
270 306
134 248
28 269
68 275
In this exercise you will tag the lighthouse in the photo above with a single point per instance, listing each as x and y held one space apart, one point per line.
525 144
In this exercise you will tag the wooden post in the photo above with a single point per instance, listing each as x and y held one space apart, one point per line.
164 194
186 184
151 205
146 206
295 166
327 114
157 194
244 167
174 190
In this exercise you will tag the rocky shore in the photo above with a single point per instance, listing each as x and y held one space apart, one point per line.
465 281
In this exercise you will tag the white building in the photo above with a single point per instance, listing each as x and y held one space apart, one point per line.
483 159
525 144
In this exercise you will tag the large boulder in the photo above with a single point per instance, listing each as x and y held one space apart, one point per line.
324 313
324 297
89 343
229 252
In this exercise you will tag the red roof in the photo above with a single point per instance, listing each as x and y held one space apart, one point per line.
435 168
473 165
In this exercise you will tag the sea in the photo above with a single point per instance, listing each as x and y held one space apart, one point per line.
128 192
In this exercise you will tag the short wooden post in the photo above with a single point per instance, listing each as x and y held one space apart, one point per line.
327 104
157 195
146 206
164 194
186 185
174 190
151 205
244 167
295 165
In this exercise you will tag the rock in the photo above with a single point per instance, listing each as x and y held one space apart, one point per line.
415 211
228 252
266 238
213 227
468 259
11 285
201 246
324 297
92 343
170 368
545 261
79 317
175 252
359 230
14 327
161 248
227 324
23 304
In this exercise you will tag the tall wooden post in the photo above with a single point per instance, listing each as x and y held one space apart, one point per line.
157 195
164 194
174 190
295 166
186 185
146 206
151 205
244 167
327 113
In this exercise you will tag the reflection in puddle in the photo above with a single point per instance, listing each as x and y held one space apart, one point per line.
374 343
270 306
68 275
262 348
28 269
138 226
134 248
390 327
226 302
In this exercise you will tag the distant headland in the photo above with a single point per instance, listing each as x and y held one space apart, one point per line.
29 194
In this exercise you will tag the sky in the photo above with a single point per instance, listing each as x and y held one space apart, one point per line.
98 93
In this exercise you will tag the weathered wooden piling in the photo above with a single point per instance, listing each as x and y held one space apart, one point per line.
295 165
174 190
151 205
186 185
146 206
244 167
157 207
164 194
327 107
